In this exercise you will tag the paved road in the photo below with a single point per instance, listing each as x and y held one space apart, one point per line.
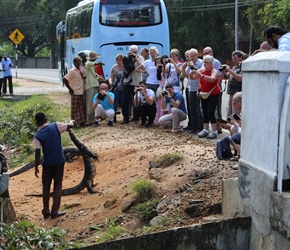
44 75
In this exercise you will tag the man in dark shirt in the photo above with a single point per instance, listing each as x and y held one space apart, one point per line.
235 79
48 137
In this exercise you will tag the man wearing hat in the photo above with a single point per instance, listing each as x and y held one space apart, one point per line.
92 84
7 65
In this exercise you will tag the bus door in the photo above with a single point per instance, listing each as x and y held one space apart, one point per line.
109 52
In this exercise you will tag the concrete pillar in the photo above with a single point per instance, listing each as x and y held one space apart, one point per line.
265 77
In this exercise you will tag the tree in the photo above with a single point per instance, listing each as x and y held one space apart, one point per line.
198 24
272 13
35 19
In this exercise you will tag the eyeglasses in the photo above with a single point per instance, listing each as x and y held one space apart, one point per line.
206 62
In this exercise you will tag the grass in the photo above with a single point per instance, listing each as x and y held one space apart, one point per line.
25 235
17 125
144 190
169 159
109 232
146 211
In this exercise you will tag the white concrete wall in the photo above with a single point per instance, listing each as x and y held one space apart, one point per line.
262 148
264 80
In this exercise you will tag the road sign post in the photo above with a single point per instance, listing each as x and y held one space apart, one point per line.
16 37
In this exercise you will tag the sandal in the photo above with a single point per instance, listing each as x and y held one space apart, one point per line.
58 214
235 158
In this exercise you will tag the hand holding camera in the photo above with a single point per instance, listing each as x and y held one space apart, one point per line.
235 117
100 96
164 93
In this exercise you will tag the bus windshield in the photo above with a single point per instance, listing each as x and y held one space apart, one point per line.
134 14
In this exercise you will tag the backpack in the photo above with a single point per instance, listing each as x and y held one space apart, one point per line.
223 148
128 65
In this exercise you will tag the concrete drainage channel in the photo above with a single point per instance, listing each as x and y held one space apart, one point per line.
227 234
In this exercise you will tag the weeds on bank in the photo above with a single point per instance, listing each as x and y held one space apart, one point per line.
146 211
144 190
17 125
25 235
169 159
109 232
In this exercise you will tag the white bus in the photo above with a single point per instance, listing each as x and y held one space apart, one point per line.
110 27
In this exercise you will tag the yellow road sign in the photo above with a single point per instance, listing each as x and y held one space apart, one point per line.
16 36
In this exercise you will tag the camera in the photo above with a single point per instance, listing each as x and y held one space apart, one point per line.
235 116
222 67
114 85
192 67
164 93
131 55
167 60
138 88
160 67
101 97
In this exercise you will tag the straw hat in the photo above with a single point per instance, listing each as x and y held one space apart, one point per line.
93 56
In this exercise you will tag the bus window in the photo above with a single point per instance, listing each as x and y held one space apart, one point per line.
133 15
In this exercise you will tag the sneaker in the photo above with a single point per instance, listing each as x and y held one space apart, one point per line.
235 167
95 124
124 122
202 134
176 130
58 214
148 125
212 135
110 123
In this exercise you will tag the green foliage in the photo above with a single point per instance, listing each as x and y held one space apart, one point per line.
109 232
144 190
17 125
25 235
36 20
275 13
146 211
169 159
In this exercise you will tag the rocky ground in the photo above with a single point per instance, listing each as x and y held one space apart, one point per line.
190 190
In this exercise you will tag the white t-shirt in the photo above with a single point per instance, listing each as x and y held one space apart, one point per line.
149 93
151 69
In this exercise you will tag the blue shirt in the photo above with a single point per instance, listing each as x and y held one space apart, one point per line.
194 84
284 42
50 139
105 103
7 66
177 97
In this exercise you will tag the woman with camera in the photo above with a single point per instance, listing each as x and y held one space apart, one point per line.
116 82
172 70
209 91
149 66
160 65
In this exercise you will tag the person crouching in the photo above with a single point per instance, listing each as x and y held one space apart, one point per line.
144 105
103 105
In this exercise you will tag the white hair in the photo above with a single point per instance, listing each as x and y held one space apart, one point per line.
134 47
155 49
193 51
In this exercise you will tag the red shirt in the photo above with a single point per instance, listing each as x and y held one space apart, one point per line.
206 86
